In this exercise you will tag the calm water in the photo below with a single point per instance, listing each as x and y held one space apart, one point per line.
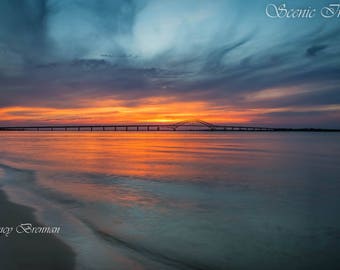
182 200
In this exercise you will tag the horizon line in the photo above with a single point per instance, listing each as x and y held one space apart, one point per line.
157 126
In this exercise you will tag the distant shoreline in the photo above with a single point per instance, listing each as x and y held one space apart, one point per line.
187 125
167 128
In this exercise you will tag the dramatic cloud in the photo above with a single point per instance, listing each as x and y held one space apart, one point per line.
222 60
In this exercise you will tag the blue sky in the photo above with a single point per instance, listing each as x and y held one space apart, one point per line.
227 57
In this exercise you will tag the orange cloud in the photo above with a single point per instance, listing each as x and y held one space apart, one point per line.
156 109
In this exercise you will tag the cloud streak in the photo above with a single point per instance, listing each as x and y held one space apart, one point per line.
70 55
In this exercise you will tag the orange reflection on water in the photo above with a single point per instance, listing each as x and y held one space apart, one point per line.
64 161
156 155
100 193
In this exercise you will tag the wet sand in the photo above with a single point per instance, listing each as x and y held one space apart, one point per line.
30 251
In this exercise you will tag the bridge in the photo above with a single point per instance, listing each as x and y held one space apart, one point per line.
188 125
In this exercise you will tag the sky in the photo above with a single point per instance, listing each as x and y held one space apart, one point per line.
222 61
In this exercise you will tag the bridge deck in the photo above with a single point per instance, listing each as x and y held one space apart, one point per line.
142 127
182 126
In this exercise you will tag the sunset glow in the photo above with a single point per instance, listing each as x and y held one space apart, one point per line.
169 134
162 113
107 63
149 113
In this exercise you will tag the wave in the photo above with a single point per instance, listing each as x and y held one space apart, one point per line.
13 177
53 207
150 253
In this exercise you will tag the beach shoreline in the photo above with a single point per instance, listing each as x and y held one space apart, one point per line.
29 250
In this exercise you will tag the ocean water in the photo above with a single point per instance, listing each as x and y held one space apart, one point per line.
181 200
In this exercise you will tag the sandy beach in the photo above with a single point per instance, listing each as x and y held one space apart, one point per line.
29 251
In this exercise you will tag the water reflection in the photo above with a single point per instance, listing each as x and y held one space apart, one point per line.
173 200
155 155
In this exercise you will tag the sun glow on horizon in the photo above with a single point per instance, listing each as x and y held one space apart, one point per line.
148 110
156 110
